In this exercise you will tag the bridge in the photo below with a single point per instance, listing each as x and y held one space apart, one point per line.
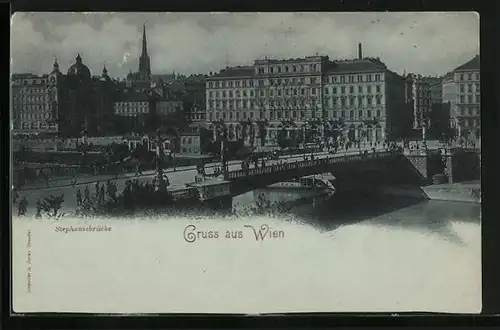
219 192
372 168
243 181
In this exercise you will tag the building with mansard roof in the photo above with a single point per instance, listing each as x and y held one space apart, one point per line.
363 93
461 90
63 105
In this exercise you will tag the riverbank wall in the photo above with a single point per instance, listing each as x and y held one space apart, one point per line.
465 192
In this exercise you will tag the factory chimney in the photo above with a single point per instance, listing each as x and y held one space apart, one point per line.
360 51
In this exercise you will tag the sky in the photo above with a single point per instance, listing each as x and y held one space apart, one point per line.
188 43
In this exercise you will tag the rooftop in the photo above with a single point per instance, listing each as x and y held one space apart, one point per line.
368 64
131 96
471 65
237 71
293 60
356 65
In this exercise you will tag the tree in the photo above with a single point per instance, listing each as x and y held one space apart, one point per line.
282 139
448 135
262 127
118 151
246 130
206 140
287 136
51 206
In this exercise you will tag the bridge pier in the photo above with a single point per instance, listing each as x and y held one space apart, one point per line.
214 193
457 165
220 203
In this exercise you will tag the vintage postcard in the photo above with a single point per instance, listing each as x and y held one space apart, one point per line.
246 162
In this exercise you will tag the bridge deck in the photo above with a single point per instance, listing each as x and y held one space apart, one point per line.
306 164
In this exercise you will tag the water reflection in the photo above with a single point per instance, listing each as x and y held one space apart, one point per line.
425 217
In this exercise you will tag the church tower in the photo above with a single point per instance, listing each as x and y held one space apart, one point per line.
144 61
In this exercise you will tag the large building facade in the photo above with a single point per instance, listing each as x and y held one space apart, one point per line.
65 105
362 93
462 92
34 104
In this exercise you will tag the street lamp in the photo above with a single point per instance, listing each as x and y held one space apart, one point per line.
458 122
223 137
424 131
159 182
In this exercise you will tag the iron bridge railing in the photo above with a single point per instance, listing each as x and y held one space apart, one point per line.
269 169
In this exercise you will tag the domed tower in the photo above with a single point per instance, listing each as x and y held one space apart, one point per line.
81 107
57 98
79 71
55 76
104 74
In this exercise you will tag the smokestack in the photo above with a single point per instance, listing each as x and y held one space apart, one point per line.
360 51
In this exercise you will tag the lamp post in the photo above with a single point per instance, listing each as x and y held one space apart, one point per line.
223 137
424 131
458 121
159 182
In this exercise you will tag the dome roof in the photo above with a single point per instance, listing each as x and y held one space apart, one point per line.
79 69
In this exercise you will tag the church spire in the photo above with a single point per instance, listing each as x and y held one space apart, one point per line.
104 70
144 61
144 42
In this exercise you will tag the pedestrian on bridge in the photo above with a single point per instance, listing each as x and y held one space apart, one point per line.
102 194
86 193
78 197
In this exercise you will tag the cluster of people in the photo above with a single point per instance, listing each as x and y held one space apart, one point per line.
101 191
139 193
245 164
22 206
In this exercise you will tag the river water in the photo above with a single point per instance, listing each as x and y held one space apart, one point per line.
432 217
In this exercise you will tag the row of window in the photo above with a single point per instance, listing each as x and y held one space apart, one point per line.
471 122
190 140
360 89
470 111
30 82
243 93
294 114
468 76
25 98
35 125
290 68
470 99
129 104
331 101
471 88
334 79
35 116
131 110
295 92
230 83
30 107
197 117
